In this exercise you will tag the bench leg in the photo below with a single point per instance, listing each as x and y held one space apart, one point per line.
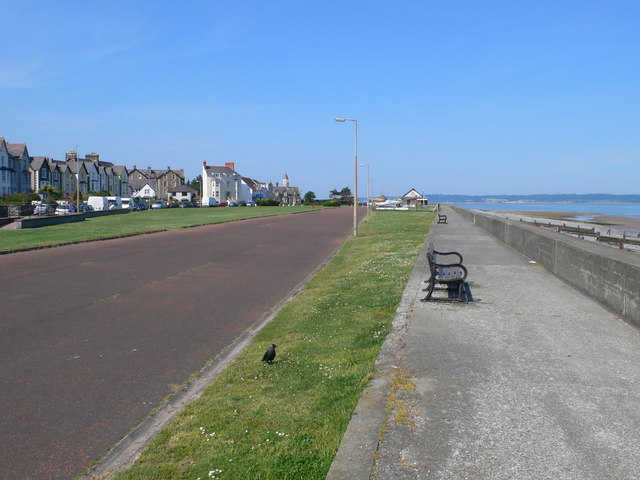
429 289
461 294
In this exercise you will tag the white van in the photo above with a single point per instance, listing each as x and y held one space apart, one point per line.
115 203
99 203
209 202
127 203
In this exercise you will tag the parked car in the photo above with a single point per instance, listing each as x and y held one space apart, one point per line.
85 207
138 206
223 204
233 204
44 209
66 208
251 203
185 205
159 204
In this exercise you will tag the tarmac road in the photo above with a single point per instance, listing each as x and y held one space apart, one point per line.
92 336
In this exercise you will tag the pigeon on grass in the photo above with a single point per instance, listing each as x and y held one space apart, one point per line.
270 354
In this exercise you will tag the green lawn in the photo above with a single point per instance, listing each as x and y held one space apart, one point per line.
133 223
285 420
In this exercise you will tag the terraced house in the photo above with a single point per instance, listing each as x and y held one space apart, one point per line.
14 168
95 175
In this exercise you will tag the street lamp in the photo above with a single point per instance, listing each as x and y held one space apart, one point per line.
355 173
367 165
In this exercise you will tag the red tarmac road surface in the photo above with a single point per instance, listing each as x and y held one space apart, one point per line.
93 335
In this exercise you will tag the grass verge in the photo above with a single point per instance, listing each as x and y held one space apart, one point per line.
285 420
133 223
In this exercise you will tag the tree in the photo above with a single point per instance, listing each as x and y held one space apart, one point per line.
334 193
196 183
309 197
345 192
52 193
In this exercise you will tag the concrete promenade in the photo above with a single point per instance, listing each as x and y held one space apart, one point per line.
533 380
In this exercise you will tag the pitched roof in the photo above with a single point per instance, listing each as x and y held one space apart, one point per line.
226 170
138 184
73 166
60 165
120 170
180 172
36 163
413 193
253 184
183 188
292 190
16 149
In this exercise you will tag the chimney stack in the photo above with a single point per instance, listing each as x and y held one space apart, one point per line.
204 163
230 165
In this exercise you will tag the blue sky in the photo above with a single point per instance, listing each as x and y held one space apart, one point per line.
494 97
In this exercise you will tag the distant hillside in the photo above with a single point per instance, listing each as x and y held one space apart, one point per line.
540 198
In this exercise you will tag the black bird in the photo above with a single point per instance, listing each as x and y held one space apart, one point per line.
270 354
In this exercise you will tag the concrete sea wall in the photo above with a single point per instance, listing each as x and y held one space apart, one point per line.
607 275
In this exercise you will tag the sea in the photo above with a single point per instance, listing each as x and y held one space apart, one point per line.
588 210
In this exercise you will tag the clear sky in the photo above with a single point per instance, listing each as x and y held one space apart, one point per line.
467 97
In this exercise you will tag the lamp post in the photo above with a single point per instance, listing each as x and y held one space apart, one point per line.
367 165
77 181
355 173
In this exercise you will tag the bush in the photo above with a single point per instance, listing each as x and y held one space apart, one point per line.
330 203
18 198
267 202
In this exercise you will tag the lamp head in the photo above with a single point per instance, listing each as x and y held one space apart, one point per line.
339 119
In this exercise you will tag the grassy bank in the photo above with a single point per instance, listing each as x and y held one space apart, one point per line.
133 223
285 420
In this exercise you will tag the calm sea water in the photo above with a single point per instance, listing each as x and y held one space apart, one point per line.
628 210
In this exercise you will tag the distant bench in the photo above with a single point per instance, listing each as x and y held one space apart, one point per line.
450 274
442 218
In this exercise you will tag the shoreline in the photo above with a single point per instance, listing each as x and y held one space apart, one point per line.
620 223
615 227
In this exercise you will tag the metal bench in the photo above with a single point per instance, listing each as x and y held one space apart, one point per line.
450 274
442 218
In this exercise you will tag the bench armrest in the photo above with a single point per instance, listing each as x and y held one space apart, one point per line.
448 253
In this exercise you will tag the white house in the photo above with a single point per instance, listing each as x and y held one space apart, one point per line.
144 189
258 190
224 184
